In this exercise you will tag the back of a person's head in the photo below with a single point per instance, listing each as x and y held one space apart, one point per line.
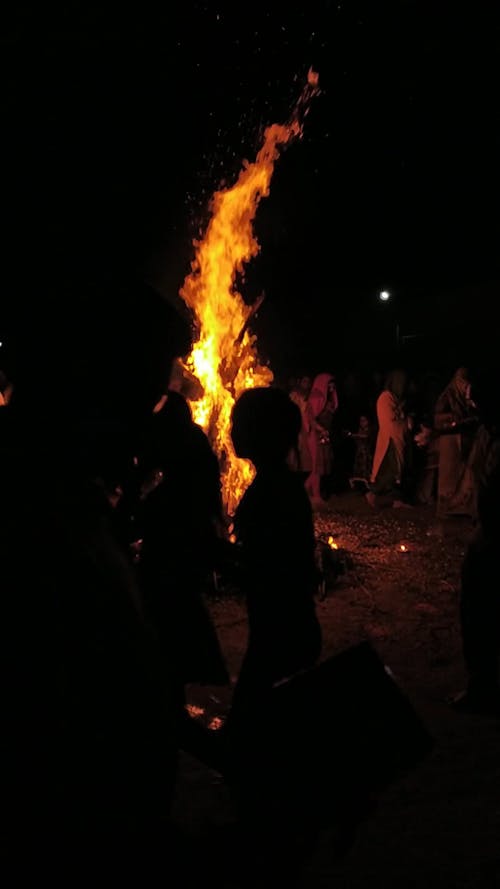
265 425
105 352
396 382
176 411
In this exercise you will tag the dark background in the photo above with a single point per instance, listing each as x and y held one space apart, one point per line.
117 127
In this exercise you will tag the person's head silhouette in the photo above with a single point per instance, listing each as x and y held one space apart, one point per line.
265 426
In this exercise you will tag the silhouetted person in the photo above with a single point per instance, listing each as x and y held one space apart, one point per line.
323 404
364 439
275 535
275 538
89 745
456 423
181 517
480 598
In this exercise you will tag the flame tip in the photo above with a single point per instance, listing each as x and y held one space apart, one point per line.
224 358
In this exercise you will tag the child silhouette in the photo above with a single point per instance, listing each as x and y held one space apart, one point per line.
274 531
275 537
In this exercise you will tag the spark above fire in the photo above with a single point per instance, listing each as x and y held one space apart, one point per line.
224 358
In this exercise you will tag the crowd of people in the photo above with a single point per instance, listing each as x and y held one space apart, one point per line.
394 440
402 444
111 526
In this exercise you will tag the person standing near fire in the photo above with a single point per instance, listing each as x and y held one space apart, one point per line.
363 454
301 459
275 547
480 575
180 517
322 404
389 461
455 420
89 736
275 539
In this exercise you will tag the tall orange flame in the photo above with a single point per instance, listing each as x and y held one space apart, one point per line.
224 359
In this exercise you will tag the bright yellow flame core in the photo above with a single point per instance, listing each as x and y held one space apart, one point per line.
225 358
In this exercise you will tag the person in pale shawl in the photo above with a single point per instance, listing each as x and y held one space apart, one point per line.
389 459
455 420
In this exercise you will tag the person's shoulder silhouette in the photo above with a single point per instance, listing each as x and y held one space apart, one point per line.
90 735
265 427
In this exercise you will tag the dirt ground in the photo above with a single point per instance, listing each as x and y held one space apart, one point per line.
440 826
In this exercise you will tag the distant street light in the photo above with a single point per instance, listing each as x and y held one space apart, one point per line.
384 297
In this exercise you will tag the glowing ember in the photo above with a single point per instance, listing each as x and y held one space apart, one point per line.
403 548
194 711
215 723
224 358
332 544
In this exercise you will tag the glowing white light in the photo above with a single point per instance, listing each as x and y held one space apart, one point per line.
384 295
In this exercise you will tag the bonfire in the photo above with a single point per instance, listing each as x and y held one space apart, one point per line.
224 358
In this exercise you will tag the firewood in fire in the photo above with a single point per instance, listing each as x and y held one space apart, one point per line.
185 382
231 364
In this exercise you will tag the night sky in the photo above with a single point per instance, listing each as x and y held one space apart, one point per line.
117 129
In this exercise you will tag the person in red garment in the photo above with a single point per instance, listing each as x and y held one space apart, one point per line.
322 404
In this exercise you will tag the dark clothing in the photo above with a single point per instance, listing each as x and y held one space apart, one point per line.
485 462
363 454
387 483
480 616
178 522
90 752
275 533
480 596
174 576
275 536
456 424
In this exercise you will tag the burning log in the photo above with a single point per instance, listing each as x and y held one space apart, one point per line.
241 351
187 383
253 311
